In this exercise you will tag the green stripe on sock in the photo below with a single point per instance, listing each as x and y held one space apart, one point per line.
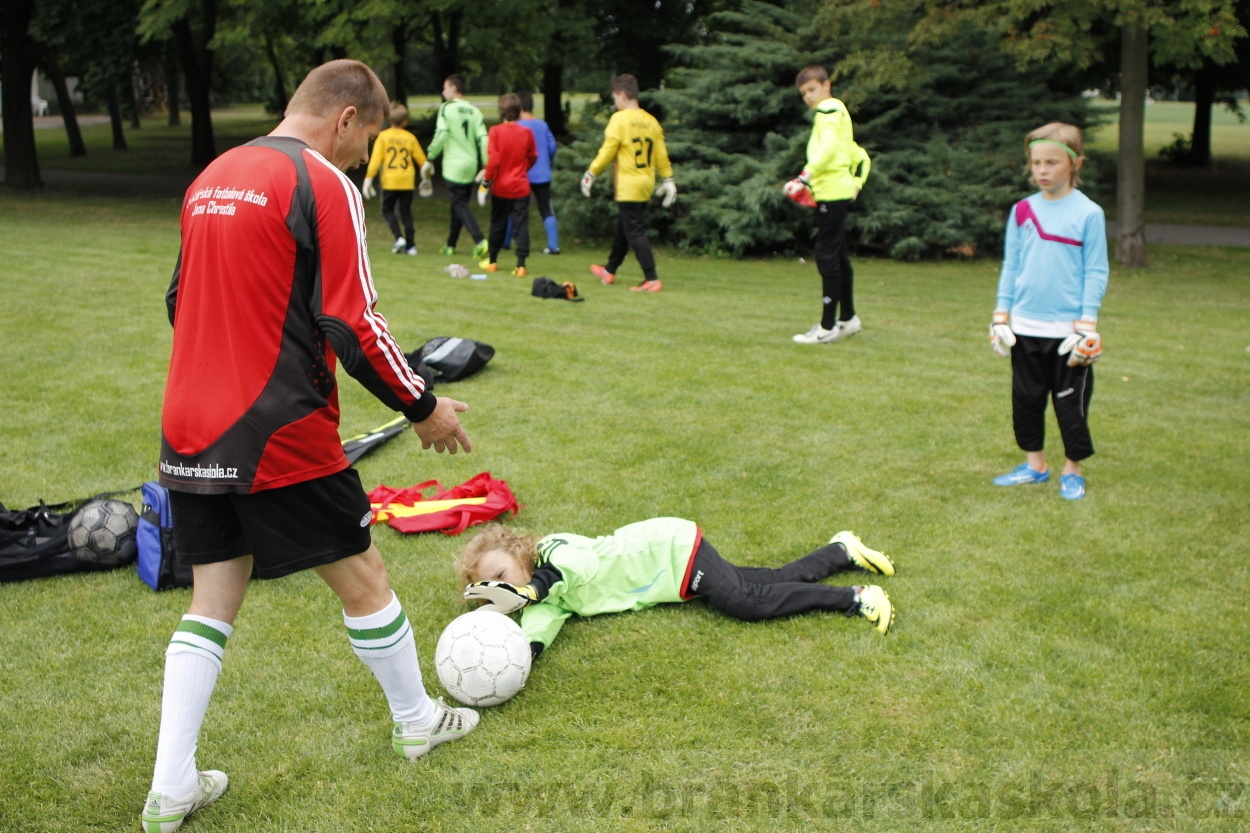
359 647
205 631
379 633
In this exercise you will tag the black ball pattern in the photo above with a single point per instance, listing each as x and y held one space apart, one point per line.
103 532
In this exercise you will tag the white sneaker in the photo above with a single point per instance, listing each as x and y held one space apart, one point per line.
849 328
163 814
817 335
412 250
401 245
412 740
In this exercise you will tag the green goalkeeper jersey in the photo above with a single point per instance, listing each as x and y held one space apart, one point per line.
638 566
837 165
460 138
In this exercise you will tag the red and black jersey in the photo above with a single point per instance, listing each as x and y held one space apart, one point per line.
511 154
272 284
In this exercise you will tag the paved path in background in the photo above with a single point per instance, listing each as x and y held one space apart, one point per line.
1180 235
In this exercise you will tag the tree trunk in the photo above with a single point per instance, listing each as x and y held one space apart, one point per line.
172 86
17 64
446 45
136 99
115 118
76 145
399 42
553 95
279 79
1131 193
197 69
1204 102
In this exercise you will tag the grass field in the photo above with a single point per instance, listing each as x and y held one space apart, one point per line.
1055 666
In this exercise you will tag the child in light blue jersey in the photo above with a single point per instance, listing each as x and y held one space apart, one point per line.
1053 279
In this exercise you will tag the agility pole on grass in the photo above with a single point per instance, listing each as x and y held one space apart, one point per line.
361 444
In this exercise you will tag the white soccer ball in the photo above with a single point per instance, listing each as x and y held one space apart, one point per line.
482 658
103 532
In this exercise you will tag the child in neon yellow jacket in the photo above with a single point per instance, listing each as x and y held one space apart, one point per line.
835 173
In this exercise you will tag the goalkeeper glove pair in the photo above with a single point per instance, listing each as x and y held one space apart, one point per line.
667 190
503 597
1083 347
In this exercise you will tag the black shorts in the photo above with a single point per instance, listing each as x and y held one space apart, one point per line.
285 530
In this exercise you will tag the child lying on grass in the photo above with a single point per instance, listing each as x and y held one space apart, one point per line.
652 562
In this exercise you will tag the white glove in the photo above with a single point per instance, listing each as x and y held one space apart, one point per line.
503 596
1002 339
366 190
588 179
667 190
480 176
1085 345
427 170
482 191
426 188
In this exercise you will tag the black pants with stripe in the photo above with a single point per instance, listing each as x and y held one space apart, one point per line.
1038 372
461 213
631 233
834 263
754 593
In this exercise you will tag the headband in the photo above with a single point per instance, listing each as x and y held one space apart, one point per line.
1070 151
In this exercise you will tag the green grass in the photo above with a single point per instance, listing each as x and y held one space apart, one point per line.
1230 138
1054 667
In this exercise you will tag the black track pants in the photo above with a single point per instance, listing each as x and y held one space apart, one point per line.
834 264
1038 372
397 211
461 213
631 232
753 593
516 211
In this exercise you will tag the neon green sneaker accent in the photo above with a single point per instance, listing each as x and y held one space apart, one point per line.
412 741
868 560
481 248
164 814
447 250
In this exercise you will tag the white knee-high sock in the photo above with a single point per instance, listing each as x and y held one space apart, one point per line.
192 664
384 642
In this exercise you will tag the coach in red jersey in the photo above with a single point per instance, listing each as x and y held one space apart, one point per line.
271 289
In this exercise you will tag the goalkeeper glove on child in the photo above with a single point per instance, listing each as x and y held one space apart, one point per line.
1084 345
588 179
426 188
798 190
1002 339
503 596
366 190
427 170
667 190
482 191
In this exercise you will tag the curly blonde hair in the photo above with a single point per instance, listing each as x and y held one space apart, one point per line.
1068 135
520 545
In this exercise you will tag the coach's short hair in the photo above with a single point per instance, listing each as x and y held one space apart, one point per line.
527 100
457 81
627 84
812 73
509 107
335 85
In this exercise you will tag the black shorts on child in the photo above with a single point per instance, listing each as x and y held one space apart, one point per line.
285 530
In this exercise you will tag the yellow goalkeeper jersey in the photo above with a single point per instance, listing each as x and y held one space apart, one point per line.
635 141
398 153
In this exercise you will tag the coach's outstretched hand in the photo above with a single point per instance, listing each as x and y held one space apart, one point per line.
503 596
442 430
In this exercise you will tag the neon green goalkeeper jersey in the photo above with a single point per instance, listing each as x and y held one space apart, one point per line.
638 566
837 165
460 138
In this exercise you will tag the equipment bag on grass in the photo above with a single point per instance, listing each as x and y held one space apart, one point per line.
157 566
545 287
476 501
451 359
35 543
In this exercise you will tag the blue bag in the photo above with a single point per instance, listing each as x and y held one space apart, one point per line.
157 566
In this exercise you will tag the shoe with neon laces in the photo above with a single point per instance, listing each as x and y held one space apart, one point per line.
817 335
163 814
849 327
870 561
487 266
1022 474
519 271
481 247
447 250
412 741
400 246
873 604
1071 486
605 277
647 286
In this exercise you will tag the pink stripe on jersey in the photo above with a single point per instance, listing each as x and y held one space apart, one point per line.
1024 212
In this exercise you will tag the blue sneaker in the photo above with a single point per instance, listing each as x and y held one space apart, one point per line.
1071 487
1022 474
